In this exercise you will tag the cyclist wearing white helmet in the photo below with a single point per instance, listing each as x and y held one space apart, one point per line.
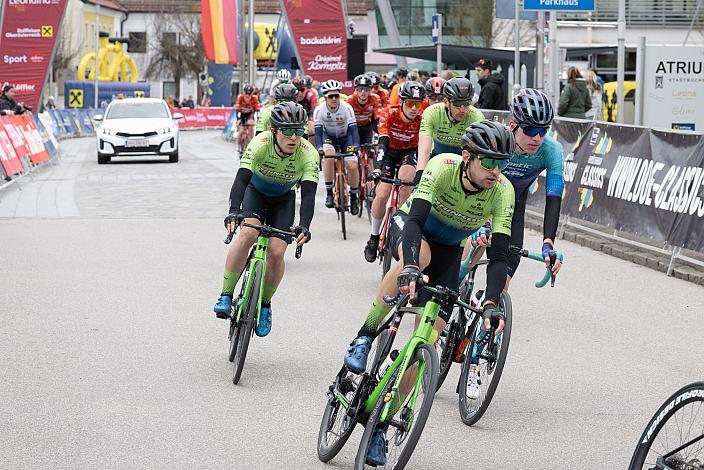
282 76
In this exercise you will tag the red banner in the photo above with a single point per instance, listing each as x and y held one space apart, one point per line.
37 151
9 159
202 117
319 32
12 127
30 29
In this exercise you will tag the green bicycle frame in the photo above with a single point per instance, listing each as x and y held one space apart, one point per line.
259 256
420 336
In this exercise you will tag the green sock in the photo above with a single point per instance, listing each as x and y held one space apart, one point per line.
267 294
376 314
229 281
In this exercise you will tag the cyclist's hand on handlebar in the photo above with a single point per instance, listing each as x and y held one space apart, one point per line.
374 176
232 221
493 317
547 251
302 234
481 237
410 279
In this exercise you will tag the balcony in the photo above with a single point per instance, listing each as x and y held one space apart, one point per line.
643 13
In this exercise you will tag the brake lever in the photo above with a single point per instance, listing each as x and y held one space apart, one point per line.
299 251
553 258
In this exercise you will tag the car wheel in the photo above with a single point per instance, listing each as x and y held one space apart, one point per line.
103 159
173 158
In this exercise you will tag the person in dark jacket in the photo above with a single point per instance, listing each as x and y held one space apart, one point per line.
575 99
8 106
493 93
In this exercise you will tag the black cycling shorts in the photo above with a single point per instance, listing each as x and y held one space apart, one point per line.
243 118
366 134
277 211
394 159
444 267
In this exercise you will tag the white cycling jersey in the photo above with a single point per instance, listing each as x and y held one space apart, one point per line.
334 124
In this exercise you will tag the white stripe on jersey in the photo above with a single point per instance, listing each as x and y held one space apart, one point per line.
335 124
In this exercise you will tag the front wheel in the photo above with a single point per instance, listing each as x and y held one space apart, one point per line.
677 425
386 256
246 324
491 359
337 424
406 424
342 203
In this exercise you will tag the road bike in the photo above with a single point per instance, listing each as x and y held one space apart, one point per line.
674 436
375 396
367 153
340 189
464 338
245 310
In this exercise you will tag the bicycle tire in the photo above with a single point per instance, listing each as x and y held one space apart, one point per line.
362 172
386 257
341 203
326 451
426 353
687 395
247 324
446 349
234 327
468 413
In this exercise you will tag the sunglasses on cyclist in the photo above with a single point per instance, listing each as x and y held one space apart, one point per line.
291 131
460 103
489 163
414 104
363 88
335 96
434 97
531 131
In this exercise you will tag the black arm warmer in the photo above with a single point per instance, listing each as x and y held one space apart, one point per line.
413 230
238 188
498 266
552 216
307 203
383 143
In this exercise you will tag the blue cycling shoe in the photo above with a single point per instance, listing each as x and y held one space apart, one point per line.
263 328
376 454
223 306
357 353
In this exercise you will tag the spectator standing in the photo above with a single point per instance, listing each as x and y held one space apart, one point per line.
8 105
188 102
595 92
401 77
575 99
50 103
493 91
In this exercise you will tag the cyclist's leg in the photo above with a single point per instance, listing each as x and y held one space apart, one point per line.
517 228
328 164
352 164
280 214
406 172
250 127
387 168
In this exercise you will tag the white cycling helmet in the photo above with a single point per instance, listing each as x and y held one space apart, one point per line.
283 75
331 85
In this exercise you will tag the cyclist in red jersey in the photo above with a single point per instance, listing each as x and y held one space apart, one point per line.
433 91
399 127
366 106
309 100
247 104
377 90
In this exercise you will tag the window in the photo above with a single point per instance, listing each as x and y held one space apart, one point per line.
169 89
138 42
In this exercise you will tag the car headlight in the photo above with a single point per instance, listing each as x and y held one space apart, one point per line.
108 131
165 130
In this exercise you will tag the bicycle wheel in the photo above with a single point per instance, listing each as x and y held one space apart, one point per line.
386 257
446 347
341 203
491 365
409 420
678 425
362 172
247 323
337 424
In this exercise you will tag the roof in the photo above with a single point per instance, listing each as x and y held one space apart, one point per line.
112 4
462 57
157 6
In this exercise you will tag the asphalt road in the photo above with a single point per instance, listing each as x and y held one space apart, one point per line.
110 356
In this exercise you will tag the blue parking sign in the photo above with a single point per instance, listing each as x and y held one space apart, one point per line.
559 5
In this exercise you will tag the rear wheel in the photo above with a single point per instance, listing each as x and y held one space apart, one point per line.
246 325
386 256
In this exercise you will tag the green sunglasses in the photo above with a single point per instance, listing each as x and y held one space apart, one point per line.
489 163
291 131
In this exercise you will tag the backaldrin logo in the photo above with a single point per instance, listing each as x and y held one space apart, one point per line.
320 40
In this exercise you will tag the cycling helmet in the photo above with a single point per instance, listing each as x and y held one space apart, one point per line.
434 86
401 72
283 75
299 83
374 77
308 80
411 91
248 89
331 85
458 88
288 114
363 80
532 107
489 138
285 91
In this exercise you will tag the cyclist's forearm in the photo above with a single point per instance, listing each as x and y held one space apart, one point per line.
425 142
352 128
498 266
238 188
413 231
307 203
383 143
551 218
319 136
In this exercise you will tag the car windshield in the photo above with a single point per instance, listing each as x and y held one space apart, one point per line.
137 111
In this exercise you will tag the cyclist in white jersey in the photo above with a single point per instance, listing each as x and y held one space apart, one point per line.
336 131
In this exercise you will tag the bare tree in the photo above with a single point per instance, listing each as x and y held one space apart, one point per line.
176 47
472 22
67 51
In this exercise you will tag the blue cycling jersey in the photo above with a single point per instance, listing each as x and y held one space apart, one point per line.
524 169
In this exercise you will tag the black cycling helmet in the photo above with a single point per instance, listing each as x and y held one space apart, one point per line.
288 114
489 138
434 86
458 88
308 80
363 80
299 83
411 91
401 72
248 89
285 91
374 77
532 107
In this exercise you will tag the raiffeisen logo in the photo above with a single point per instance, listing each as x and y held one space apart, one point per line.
321 40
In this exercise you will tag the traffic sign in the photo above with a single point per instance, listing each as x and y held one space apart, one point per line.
559 5
435 30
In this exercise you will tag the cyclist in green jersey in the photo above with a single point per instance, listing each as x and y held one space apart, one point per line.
262 193
444 123
456 196
283 93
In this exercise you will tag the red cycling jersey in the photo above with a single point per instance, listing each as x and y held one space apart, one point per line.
247 106
367 112
309 102
383 95
401 134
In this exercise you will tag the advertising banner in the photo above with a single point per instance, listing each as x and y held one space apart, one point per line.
15 134
219 30
672 89
37 151
319 31
8 157
29 31
203 117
